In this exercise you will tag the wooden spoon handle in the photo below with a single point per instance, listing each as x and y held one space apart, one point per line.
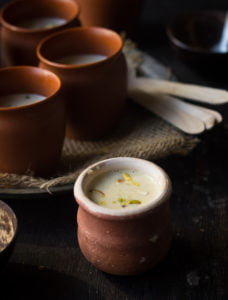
218 117
162 106
188 91
208 116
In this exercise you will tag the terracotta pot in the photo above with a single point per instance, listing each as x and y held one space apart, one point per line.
31 136
95 93
119 15
124 241
19 44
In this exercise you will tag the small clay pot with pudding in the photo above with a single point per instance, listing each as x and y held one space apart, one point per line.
92 68
25 23
124 219
32 121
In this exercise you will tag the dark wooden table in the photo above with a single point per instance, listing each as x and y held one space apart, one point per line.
47 263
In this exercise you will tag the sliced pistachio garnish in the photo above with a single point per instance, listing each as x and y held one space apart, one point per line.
134 202
121 200
129 179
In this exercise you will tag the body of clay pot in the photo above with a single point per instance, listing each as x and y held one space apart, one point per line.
19 44
125 244
119 15
95 93
125 247
31 136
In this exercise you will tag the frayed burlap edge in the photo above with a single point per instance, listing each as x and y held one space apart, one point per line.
27 181
150 138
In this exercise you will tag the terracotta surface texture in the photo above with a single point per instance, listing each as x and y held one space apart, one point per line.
19 44
95 93
31 136
124 241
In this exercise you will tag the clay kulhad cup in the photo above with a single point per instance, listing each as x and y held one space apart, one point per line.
31 136
124 241
119 15
95 93
18 42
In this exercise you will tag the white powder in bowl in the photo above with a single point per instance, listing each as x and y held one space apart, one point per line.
6 229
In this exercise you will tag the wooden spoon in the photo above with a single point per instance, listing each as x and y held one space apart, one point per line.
188 91
188 117
208 116
164 107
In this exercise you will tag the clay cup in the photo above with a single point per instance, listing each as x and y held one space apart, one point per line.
31 136
19 43
95 92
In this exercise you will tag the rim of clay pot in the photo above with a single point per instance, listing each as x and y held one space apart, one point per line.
13 218
14 27
85 178
47 98
79 30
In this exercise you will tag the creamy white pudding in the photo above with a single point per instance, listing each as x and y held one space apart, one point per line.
81 59
123 189
20 99
41 23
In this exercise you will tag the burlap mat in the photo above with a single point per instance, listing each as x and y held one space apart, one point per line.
138 134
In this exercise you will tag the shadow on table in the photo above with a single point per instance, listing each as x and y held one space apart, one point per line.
19 281
184 272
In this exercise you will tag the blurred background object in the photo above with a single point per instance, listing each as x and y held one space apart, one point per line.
118 15
201 39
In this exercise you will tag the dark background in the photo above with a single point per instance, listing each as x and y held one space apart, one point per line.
156 12
159 12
